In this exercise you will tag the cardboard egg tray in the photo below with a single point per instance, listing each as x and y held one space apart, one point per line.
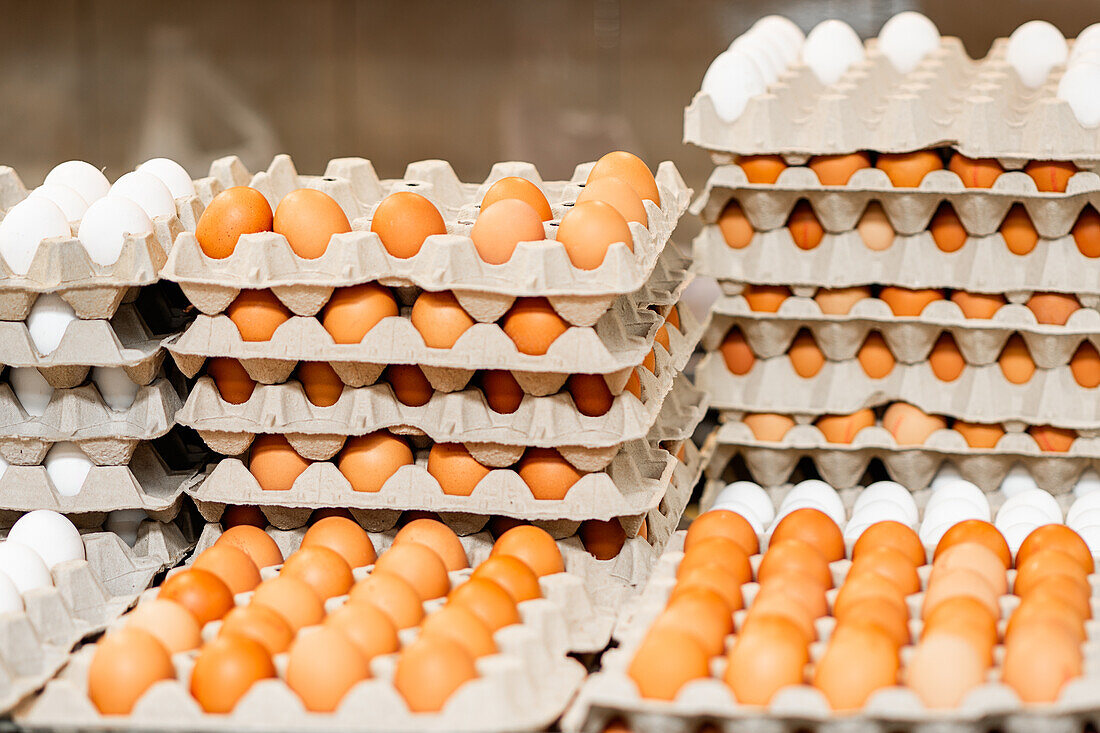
910 339
62 266
980 107
448 262
80 415
124 341
86 596
610 693
979 394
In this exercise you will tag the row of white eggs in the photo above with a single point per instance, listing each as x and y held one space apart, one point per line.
34 392
36 543
66 465
78 192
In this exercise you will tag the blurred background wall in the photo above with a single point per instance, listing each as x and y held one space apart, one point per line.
553 82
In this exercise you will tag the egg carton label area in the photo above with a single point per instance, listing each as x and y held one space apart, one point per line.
611 693
445 262
980 107
80 415
910 339
980 394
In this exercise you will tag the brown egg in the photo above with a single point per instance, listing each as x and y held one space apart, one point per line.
839 301
946 360
231 564
978 305
736 228
1053 308
878 614
975 172
620 195
368 461
274 463
947 229
200 592
292 598
403 220
768 426
511 574
1069 591
590 394
856 664
910 425
322 667
814 527
1086 232
547 474
803 592
459 624
767 606
534 546
457 472
1085 366
1048 610
430 670
805 229
765 298
1052 439
737 353
437 537
1019 233
589 229
344 537
661 338
1037 668
713 578
907 170
261 624
722 523
501 226
701 613
169 622
238 514
764 661
904 302
866 585
256 543
943 669
320 382
233 212
533 325
391 594
353 311
844 428
603 539
1015 360
892 564
806 358
720 550
230 379
330 511
890 534
795 555
418 564
979 435
667 660
761 168
629 168
1050 176
309 218
520 189
501 390
875 356
256 314
967 618
634 384
836 170
226 669
126 663
486 600
1040 565
875 228
1056 537
981 532
324 570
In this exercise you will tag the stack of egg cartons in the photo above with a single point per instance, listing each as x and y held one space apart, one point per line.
82 398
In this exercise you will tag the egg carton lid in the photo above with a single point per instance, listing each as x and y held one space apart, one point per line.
979 107
910 338
80 415
839 208
979 394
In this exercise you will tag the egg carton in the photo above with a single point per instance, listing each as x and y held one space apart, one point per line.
447 262
910 339
80 415
85 597
979 107
979 394
619 342
145 483
124 341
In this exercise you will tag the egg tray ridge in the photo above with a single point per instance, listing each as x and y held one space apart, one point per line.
979 107
979 394
610 693
909 338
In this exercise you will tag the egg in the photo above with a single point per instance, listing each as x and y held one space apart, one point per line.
874 513
254 542
1050 176
815 527
890 534
25 225
768 427
501 390
344 537
459 624
665 661
1045 563
909 425
943 669
978 305
830 49
419 565
48 321
1055 308
1086 232
947 229
257 314
875 356
703 614
794 554
1019 233
501 226
115 387
880 614
225 671
1015 360
292 598
723 551
403 220
765 298
904 302
1034 48
1052 439
806 358
49 535
309 218
981 532
968 619
201 592
979 435
488 601
367 627
803 594
731 80
631 169
1051 614
737 230
844 428
322 667
230 564
761 168
875 229
547 474
890 491
1075 89
67 467
125 664
1068 591
805 229
324 570
714 578
259 623
946 361
233 212
892 563
353 311
274 463
519 189
854 665
173 175
230 380
1037 669
534 546
619 194
147 191
836 170
765 661
737 353
437 537
169 622
722 523
907 38
859 586
589 230
1057 537
320 382
84 178
368 461
907 170
391 594
1085 366
974 556
975 172
430 670
960 581
533 325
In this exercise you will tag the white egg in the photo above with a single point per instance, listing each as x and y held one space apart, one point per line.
1078 89
1034 49
47 321
71 203
31 389
830 50
946 474
10 600
752 496
68 467
51 535
730 82
888 491
951 512
764 53
106 224
1088 55
805 503
1086 503
25 226
125 523
23 566
1020 514
1017 481
959 490
744 510
1087 482
907 38
789 36
1042 505
147 191
886 510
1015 534
171 174
1089 36
1091 536
84 178
1084 518
820 492
117 389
